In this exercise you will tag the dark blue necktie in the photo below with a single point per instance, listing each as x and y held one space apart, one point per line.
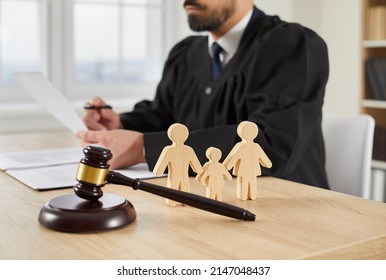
216 67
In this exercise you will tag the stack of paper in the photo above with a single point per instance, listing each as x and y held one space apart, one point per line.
54 168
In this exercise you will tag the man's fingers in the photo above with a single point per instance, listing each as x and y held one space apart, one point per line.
88 137
97 101
107 114
92 121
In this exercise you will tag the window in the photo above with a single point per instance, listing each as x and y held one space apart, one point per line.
85 47
113 40
23 38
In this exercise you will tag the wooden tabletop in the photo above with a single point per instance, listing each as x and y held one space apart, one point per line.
293 221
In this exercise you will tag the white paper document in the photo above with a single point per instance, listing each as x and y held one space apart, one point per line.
55 168
47 177
40 158
43 91
63 176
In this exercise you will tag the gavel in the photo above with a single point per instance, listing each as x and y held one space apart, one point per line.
93 173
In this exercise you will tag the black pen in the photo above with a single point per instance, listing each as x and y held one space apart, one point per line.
93 107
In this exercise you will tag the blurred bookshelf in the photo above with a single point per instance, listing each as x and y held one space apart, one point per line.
373 91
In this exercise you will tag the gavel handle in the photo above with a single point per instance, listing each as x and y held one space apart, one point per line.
193 200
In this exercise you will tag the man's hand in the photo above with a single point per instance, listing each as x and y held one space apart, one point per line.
101 119
126 146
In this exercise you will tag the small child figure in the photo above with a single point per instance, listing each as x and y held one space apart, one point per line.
214 174
245 158
177 157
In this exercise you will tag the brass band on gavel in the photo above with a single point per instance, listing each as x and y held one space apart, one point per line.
91 174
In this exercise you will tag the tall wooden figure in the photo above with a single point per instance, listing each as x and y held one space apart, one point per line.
245 158
177 157
214 174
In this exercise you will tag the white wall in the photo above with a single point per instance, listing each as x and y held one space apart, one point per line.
341 28
282 8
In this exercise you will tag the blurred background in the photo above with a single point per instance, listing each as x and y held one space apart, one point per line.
116 49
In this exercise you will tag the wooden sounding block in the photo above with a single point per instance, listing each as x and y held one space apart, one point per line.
245 158
87 209
177 158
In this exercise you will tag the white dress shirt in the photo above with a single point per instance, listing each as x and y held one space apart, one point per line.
230 41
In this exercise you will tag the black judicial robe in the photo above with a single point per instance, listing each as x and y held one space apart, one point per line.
276 79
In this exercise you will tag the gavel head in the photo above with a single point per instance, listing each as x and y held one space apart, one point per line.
92 172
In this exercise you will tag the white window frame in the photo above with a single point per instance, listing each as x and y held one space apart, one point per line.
15 94
116 90
18 112
60 62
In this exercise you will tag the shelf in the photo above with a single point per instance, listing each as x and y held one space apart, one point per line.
371 103
374 44
377 164
373 26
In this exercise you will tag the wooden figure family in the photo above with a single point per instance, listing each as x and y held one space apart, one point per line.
245 158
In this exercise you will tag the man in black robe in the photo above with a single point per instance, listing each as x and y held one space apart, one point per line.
271 72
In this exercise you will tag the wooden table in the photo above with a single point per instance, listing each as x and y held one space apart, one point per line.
294 221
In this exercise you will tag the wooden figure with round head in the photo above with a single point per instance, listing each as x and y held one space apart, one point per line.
177 158
245 158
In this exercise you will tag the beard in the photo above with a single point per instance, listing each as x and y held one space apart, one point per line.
211 20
